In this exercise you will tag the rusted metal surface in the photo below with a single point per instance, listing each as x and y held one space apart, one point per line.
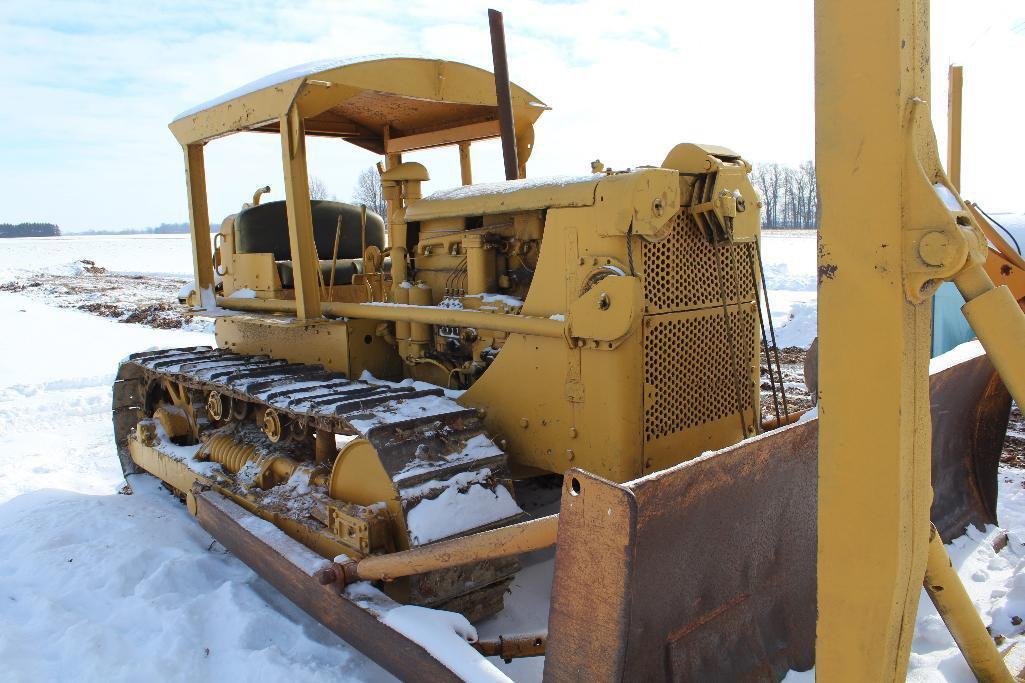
970 410
706 571
514 647
274 560
710 567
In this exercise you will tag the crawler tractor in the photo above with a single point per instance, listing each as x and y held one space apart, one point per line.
397 402
379 389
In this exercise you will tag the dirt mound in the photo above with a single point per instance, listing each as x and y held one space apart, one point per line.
139 299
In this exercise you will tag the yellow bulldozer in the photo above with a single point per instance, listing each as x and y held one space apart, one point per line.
395 402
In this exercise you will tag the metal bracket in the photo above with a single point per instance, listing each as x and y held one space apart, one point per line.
943 239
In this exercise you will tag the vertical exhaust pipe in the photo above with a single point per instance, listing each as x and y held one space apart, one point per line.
503 94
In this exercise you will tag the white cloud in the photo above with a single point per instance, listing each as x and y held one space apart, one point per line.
91 86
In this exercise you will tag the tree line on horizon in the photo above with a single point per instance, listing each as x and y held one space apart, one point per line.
29 230
162 229
790 194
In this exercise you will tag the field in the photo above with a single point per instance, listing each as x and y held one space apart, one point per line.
125 587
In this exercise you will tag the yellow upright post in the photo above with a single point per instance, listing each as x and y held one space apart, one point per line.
871 69
199 224
465 170
305 264
955 79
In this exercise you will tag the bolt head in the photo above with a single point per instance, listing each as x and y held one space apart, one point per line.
934 248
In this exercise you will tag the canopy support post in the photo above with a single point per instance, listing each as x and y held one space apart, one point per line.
305 263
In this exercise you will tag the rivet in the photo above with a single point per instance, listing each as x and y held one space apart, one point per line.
572 432
570 454
524 422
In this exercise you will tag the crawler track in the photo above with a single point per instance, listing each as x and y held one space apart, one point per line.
427 443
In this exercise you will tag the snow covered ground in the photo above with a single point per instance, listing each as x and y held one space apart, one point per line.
789 262
96 585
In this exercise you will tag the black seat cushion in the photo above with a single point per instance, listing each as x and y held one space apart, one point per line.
264 228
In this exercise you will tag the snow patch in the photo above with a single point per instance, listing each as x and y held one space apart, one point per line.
487 298
453 512
477 447
299 555
285 75
244 293
401 410
800 328
958 354
459 481
447 636
509 186
409 382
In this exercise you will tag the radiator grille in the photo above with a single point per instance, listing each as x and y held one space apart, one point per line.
680 271
688 374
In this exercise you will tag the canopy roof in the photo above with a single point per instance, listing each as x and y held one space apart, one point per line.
383 104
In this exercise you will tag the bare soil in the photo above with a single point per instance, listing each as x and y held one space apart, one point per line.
1014 443
142 299
793 389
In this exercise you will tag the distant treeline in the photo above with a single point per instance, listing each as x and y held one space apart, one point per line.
162 229
790 195
29 230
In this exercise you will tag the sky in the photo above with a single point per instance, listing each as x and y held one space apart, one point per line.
89 88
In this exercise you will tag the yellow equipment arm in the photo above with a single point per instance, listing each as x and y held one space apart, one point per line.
893 228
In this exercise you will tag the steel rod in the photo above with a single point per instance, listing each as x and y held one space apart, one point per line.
430 315
486 545
514 647
958 612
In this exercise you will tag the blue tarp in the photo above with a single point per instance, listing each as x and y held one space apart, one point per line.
949 327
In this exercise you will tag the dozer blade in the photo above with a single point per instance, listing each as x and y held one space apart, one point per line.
289 566
970 411
706 571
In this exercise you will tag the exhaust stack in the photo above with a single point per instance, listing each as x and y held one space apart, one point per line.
505 115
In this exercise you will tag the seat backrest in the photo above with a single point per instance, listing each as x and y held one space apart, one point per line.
264 228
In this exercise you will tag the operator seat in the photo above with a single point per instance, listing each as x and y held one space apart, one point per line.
263 229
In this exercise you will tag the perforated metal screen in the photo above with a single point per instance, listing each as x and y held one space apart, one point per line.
689 376
680 271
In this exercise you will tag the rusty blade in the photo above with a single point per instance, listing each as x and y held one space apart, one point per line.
273 558
706 571
970 410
